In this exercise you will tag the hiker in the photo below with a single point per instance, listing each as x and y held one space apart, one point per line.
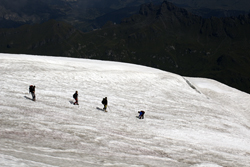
105 103
75 96
141 114
32 91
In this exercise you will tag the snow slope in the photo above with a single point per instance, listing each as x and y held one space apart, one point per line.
189 122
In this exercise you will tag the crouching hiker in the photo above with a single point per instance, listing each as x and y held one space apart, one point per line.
32 91
141 114
75 96
105 103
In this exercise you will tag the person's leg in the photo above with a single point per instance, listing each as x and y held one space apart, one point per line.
76 101
33 96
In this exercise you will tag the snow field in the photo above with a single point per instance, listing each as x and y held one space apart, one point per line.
183 127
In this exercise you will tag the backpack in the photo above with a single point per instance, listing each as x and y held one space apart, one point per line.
104 101
142 113
74 95
31 88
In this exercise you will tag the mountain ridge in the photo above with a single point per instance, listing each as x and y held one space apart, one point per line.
164 37
89 15
85 15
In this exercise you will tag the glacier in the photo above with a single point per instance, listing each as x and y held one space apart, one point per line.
189 122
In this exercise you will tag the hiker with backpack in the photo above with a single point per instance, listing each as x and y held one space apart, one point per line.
141 114
32 91
105 103
75 96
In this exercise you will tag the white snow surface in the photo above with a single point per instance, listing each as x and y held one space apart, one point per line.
189 122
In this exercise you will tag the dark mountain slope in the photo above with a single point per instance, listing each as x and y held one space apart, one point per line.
243 5
173 39
165 37
49 38
218 8
85 15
